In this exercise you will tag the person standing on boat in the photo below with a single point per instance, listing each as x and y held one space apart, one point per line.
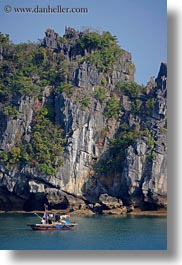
45 216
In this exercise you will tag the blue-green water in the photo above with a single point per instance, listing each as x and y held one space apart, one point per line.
92 233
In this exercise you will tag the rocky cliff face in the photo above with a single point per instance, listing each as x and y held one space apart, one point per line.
92 114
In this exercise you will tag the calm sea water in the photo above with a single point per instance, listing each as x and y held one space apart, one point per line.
92 233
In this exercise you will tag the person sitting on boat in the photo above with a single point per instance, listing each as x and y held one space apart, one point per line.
49 221
50 218
57 218
43 221
51 215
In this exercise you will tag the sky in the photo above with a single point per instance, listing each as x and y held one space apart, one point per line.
140 26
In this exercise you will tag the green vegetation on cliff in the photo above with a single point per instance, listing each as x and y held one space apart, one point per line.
102 50
27 68
44 149
125 136
100 93
131 89
112 108
11 112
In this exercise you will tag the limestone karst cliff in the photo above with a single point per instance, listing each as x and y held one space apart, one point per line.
76 131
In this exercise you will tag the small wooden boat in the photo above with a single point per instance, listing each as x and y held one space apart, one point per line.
57 226
52 221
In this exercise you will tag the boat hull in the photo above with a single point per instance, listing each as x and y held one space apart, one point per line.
38 227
